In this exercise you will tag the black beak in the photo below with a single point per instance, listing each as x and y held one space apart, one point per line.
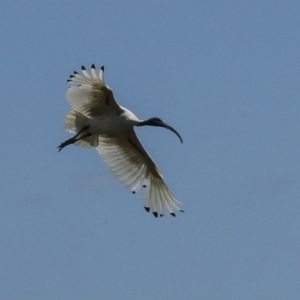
172 129
160 123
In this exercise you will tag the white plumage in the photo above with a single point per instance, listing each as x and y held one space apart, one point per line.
100 122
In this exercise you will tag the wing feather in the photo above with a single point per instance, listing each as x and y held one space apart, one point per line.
132 165
85 72
94 74
91 96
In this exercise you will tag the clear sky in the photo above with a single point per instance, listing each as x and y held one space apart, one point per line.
225 74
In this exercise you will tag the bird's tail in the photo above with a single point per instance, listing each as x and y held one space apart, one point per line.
75 121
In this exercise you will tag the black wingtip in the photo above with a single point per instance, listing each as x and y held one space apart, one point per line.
181 210
93 66
102 68
161 215
172 214
147 209
69 80
75 72
155 214
83 68
72 76
144 186
133 192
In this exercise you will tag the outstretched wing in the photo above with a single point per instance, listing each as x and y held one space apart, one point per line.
131 164
91 96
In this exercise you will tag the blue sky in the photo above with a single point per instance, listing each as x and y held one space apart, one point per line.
225 74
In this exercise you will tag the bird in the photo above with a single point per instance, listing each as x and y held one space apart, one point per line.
99 121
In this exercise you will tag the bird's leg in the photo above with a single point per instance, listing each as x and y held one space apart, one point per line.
66 143
80 131
71 141
74 138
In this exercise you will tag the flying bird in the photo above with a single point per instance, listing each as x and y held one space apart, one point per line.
99 121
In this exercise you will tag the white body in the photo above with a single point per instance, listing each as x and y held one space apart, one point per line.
113 124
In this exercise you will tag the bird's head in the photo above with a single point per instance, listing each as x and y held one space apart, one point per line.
158 122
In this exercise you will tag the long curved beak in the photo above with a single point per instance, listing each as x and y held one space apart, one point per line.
172 129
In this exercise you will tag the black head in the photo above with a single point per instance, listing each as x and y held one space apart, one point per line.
154 122
158 122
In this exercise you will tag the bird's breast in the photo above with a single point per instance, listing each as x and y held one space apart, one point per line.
110 125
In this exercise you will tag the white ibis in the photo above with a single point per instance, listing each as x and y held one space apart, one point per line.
100 122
